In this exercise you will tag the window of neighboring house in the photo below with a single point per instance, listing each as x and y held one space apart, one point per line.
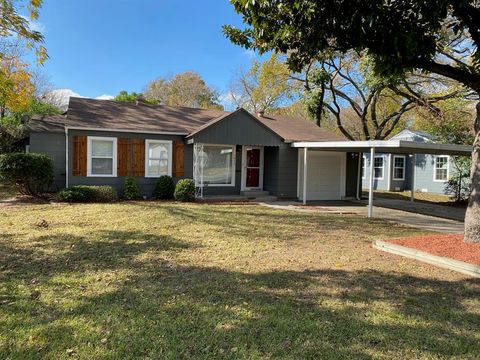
399 168
158 158
441 168
218 165
364 170
102 156
378 167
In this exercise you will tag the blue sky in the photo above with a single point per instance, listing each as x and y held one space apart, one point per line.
99 47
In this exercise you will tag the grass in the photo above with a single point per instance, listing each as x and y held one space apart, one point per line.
166 280
419 196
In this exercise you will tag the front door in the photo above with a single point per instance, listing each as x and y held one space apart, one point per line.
253 162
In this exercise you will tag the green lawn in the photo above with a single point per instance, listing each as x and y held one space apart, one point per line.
419 197
186 281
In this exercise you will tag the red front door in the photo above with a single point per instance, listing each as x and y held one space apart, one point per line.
253 168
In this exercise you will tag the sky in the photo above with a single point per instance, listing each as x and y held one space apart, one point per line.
100 47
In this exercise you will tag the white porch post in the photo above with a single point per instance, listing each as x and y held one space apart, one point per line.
414 165
304 195
359 175
370 187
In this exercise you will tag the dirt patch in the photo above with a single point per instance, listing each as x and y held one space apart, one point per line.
451 246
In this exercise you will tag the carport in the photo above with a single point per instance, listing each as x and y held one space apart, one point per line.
373 146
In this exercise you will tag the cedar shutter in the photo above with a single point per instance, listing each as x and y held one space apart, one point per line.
138 157
178 159
79 156
124 157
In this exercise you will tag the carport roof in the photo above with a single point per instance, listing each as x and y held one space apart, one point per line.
387 146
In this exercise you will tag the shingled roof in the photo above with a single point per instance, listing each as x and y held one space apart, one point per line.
112 115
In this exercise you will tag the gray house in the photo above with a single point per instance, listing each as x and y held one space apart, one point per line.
99 142
396 172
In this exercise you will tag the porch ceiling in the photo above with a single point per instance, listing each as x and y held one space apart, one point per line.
390 146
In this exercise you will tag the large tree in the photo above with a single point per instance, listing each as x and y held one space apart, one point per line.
365 106
441 37
185 89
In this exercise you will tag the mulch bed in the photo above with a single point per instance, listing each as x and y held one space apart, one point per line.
451 246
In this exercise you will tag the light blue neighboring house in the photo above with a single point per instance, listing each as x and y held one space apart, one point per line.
393 172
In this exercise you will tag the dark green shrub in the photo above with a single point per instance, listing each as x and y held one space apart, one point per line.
185 190
165 187
130 189
31 173
86 193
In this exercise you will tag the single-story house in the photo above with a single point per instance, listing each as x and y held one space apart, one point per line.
99 142
395 172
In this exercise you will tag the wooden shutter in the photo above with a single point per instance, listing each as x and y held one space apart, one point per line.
138 157
178 159
124 157
79 156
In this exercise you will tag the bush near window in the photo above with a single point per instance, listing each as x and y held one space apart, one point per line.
185 190
31 173
164 188
85 193
130 188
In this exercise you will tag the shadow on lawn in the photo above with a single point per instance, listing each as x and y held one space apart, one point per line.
168 310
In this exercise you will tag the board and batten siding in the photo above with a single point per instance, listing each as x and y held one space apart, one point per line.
146 185
53 145
238 129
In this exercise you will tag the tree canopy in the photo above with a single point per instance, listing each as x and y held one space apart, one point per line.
185 89
265 86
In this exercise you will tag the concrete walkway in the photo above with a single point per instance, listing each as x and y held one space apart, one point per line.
437 210
420 221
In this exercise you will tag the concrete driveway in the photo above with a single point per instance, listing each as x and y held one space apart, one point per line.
407 218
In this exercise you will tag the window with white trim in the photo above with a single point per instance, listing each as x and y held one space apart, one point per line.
378 167
441 168
399 168
364 170
218 165
102 156
158 158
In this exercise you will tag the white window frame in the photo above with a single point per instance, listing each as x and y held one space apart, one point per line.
374 167
89 156
234 163
435 168
170 156
364 167
399 167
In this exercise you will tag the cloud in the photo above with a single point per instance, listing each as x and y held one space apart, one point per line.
61 97
35 25
250 54
227 100
105 97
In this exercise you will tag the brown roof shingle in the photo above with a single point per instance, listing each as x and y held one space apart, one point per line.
108 114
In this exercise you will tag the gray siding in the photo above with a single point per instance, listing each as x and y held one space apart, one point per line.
238 129
378 184
424 172
146 185
287 172
53 145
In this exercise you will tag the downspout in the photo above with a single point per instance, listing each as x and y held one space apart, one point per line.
359 175
66 157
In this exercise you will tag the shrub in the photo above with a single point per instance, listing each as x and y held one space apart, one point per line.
85 193
130 189
165 187
185 190
31 173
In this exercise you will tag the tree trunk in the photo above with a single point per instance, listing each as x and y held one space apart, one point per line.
472 216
